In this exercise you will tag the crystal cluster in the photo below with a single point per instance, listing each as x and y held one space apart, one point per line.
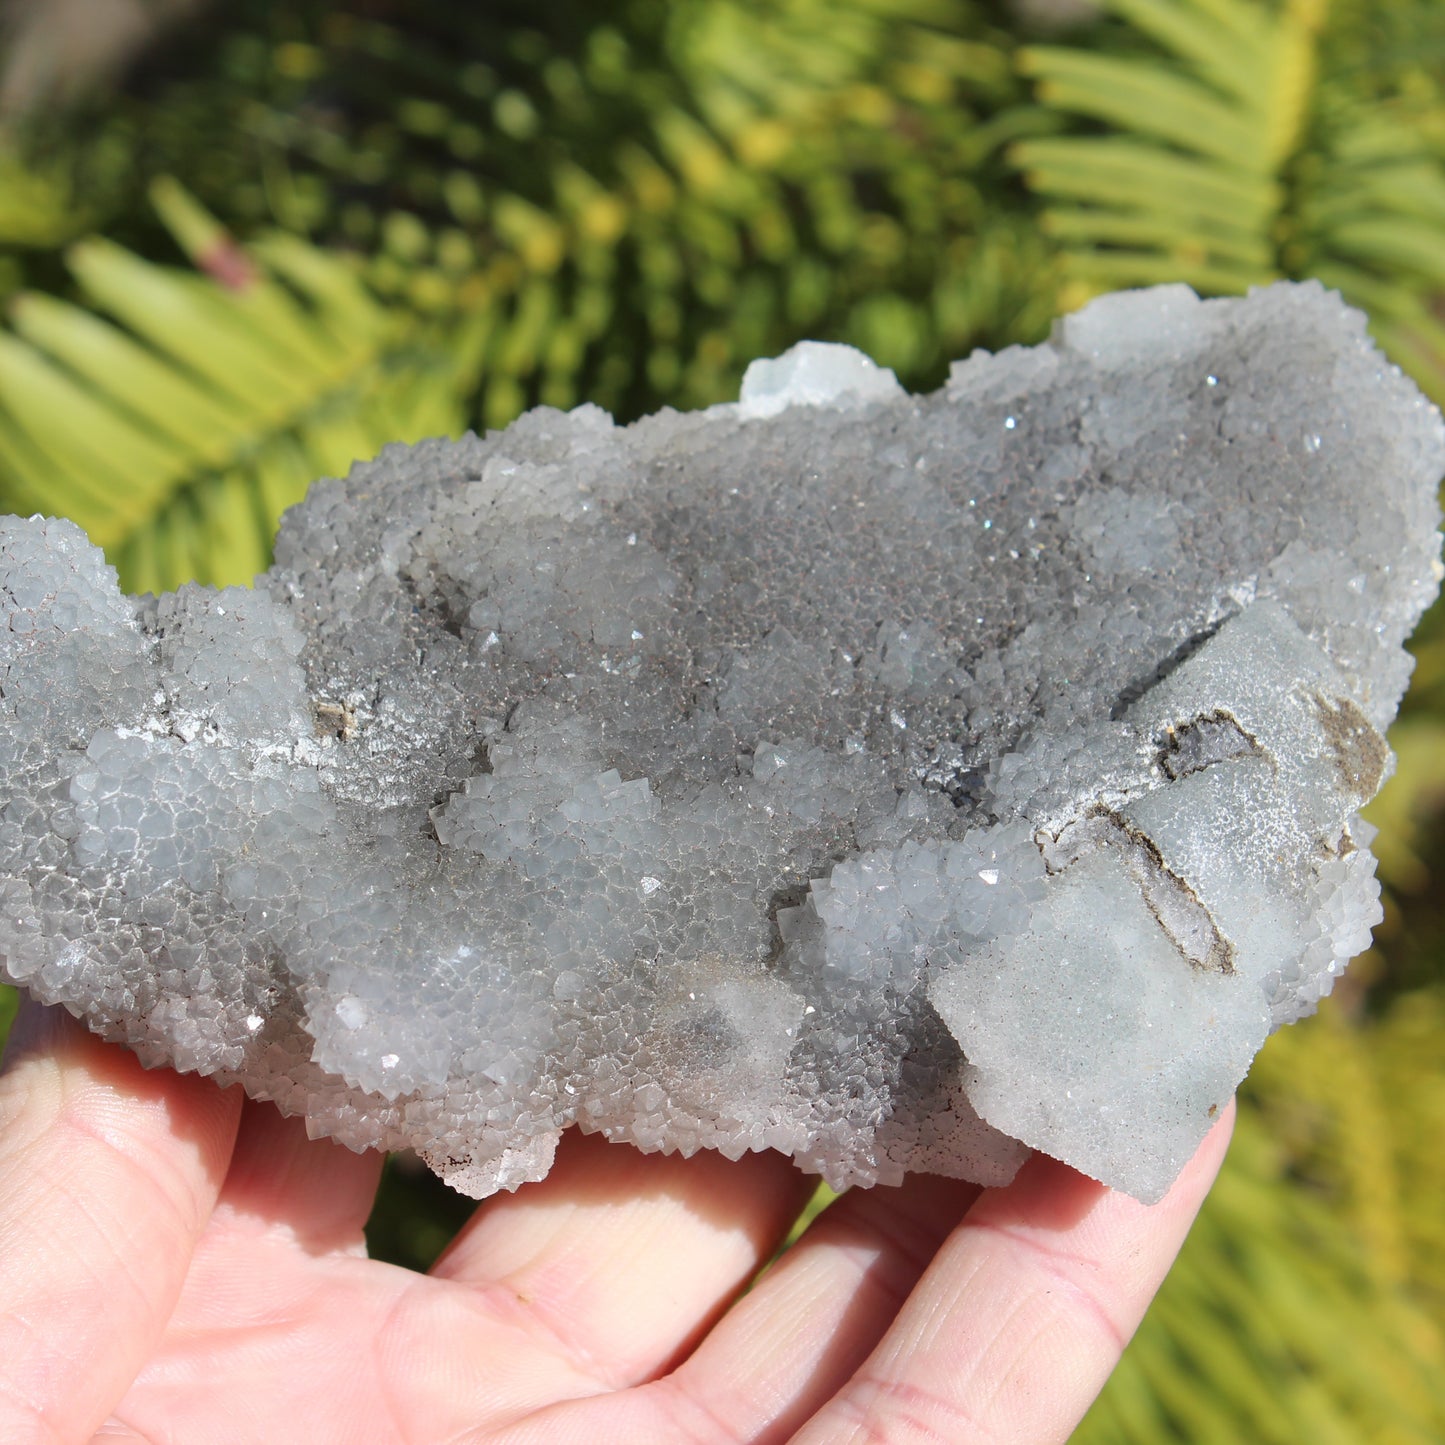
902 783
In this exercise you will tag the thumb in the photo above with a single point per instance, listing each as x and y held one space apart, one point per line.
108 1174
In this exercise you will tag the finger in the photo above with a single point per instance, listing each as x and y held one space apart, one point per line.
624 1259
313 1194
1016 1325
107 1176
794 1339
813 1319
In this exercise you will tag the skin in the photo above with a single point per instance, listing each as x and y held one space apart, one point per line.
182 1267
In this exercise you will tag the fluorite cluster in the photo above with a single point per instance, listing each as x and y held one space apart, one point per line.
902 783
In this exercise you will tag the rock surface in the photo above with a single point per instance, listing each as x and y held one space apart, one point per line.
898 782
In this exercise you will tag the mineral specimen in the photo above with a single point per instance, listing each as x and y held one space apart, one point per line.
898 782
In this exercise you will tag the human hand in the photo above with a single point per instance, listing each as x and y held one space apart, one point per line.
182 1267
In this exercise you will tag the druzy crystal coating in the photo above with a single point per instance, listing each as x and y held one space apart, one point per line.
899 782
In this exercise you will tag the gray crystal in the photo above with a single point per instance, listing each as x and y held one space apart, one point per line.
898 782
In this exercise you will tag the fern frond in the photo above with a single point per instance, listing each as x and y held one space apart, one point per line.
1191 166
1226 41
1152 183
112 362
177 432
1394 243
1125 228
1232 159
1143 97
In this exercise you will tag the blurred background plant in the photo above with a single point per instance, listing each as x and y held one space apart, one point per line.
244 243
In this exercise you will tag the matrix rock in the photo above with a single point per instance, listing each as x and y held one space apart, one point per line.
902 783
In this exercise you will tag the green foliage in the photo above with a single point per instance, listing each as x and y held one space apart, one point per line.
37 206
177 418
448 212
1244 144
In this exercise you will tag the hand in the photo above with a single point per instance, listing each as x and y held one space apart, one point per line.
180 1267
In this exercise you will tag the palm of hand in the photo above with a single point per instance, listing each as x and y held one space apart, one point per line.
183 1269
